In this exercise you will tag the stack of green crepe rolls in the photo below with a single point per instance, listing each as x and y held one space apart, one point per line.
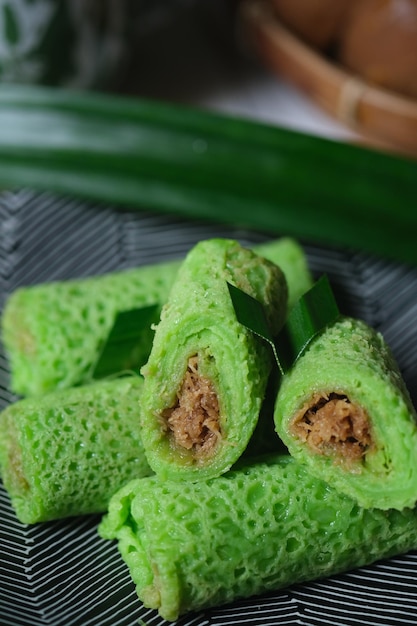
53 333
65 450
206 377
197 533
344 497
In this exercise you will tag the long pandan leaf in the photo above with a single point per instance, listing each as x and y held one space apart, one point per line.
144 154
315 310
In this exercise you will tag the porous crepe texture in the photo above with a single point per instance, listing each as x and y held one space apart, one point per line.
53 332
199 319
262 527
353 359
68 452
289 255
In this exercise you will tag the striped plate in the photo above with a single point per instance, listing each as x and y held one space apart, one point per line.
62 573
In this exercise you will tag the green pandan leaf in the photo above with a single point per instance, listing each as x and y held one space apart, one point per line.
11 25
251 314
197 164
315 310
310 315
128 343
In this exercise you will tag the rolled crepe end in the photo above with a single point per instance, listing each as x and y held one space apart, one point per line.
207 373
12 471
20 340
193 438
151 598
15 328
343 409
11 455
331 424
157 583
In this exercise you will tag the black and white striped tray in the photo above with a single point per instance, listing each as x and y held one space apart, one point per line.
62 573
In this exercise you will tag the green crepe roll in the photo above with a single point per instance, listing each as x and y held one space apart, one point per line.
54 332
206 377
189 546
68 452
344 411
288 254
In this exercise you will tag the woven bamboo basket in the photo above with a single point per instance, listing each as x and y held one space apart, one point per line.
383 118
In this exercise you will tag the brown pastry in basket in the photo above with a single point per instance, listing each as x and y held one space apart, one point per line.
317 22
379 42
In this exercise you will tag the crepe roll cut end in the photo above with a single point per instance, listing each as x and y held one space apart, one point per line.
194 422
262 527
11 453
331 424
344 410
207 374
17 476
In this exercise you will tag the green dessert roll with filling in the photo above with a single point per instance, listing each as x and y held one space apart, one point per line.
54 332
262 527
68 452
343 410
205 380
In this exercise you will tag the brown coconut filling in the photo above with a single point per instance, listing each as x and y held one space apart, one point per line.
331 424
194 421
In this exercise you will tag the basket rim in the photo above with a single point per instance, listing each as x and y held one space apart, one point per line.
376 114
